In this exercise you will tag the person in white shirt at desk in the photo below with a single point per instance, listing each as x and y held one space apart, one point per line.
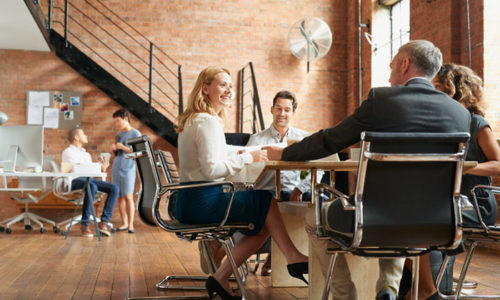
76 154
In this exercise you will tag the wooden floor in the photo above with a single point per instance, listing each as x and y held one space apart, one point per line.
46 266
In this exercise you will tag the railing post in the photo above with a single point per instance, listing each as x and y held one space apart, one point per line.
50 15
179 75
66 23
242 96
256 98
150 75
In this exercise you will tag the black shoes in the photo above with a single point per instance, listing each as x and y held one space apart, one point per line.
215 289
298 270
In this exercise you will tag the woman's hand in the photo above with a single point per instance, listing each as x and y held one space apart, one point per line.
259 155
120 146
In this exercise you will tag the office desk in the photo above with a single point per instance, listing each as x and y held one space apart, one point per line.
293 214
44 185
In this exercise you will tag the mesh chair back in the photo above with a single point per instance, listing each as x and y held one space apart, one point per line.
406 189
150 178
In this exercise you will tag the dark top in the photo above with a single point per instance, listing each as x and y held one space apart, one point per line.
486 199
414 107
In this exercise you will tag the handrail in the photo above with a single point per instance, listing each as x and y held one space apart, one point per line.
256 108
125 76
154 60
133 28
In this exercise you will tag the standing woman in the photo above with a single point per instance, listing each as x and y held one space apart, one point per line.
204 156
123 170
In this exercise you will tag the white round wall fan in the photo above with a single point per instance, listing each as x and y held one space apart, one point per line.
309 39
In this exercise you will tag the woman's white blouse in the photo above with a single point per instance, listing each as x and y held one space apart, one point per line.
203 153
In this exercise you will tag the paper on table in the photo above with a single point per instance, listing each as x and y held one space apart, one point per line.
258 147
50 117
249 173
330 158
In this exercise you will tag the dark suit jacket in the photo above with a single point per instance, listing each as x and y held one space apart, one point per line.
414 107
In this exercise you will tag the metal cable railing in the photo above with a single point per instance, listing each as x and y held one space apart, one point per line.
254 98
157 81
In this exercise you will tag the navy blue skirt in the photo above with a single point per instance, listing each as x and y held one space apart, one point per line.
208 205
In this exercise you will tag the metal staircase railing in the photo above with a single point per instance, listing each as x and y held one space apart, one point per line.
251 93
123 51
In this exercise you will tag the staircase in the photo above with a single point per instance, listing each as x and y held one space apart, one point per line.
114 88
132 70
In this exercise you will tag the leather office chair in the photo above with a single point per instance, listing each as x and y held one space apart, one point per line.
473 235
406 200
155 208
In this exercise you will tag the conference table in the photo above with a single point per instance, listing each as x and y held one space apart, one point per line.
364 271
45 184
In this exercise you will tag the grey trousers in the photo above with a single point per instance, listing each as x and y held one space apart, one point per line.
342 287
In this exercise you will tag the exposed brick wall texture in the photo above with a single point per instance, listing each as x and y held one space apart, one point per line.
201 33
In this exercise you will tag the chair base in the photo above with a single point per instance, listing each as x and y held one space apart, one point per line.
170 298
164 283
27 217
461 280
73 221
239 276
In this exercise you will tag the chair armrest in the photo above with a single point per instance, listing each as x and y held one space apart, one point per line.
321 189
495 190
134 155
177 187
341 196
464 203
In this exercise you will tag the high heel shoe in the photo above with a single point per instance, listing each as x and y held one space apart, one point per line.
298 270
214 288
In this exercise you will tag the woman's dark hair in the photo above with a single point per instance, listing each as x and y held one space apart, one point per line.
122 113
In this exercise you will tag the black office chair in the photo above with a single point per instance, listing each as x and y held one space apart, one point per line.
473 235
154 206
406 201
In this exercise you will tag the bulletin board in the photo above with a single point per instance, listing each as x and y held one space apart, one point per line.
54 109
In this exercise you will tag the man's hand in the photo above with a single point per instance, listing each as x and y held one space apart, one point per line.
104 164
296 195
273 152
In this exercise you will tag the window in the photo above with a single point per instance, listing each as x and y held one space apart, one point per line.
391 29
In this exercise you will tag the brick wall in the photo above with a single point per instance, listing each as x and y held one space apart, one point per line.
232 33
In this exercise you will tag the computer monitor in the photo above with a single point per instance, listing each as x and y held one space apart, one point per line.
21 147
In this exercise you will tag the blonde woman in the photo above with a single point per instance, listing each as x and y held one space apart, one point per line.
204 156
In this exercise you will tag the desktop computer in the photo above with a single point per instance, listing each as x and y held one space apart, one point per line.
21 148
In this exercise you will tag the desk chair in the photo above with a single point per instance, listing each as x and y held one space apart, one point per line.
62 189
155 209
30 185
473 235
406 200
